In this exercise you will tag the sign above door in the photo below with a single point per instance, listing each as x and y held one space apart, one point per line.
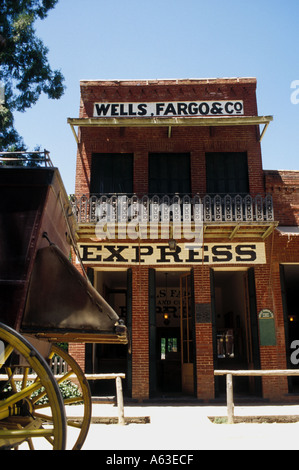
159 254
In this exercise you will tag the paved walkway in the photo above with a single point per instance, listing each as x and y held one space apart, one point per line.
176 427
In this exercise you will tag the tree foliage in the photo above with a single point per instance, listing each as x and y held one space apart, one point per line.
25 72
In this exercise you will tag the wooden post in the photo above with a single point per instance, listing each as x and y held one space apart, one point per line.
120 401
230 399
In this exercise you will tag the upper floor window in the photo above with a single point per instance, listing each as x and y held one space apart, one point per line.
227 173
169 173
111 173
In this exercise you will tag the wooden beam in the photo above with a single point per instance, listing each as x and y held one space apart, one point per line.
263 131
74 132
259 373
235 230
268 232
170 122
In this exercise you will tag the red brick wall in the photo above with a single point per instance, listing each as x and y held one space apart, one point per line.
283 185
280 249
204 337
167 90
197 141
140 330
77 351
284 188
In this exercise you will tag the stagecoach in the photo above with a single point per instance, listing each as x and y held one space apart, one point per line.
44 300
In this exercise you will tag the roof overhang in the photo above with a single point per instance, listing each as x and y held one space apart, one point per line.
171 122
288 230
211 231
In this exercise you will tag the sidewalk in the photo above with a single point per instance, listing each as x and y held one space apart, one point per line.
179 427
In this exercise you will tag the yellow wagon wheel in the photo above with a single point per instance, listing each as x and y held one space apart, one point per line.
80 422
26 379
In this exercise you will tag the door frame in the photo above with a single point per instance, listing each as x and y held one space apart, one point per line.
153 346
253 359
188 369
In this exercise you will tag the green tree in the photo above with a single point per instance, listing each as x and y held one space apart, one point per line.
25 72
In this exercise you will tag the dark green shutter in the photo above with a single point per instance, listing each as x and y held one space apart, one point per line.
254 329
169 173
129 327
214 330
227 173
286 324
193 329
152 333
111 173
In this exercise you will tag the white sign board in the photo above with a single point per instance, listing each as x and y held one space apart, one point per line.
169 109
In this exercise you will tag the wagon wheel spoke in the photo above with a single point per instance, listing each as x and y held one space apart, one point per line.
74 424
25 377
75 375
19 395
10 374
30 444
7 352
18 423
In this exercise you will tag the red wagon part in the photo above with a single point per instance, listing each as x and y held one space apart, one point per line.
43 299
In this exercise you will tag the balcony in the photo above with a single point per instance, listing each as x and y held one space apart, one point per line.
222 216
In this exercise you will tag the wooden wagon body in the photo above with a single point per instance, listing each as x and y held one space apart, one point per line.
43 296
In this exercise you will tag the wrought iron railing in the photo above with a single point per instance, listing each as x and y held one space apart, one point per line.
90 209
26 159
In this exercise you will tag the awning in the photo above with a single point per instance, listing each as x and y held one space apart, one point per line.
171 122
288 230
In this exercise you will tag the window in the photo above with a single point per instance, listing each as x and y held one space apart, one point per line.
169 173
227 173
111 173
168 345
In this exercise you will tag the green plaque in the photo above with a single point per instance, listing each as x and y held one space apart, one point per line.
267 328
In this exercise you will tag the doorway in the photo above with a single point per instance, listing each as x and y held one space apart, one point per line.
115 287
235 328
171 333
289 287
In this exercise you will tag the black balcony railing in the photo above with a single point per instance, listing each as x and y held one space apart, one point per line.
116 208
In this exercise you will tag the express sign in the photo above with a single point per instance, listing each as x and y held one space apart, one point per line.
210 253
169 109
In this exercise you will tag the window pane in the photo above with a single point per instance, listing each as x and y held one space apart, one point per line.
111 173
227 173
169 173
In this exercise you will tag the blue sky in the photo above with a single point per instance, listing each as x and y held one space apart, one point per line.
137 39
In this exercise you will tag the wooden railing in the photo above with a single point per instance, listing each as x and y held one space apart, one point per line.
58 366
26 159
248 373
119 400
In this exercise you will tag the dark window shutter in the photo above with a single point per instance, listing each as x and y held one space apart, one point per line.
227 173
169 173
111 173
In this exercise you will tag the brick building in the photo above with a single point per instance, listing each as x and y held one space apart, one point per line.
186 236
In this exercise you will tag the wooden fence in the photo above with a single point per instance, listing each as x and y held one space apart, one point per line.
119 399
249 373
